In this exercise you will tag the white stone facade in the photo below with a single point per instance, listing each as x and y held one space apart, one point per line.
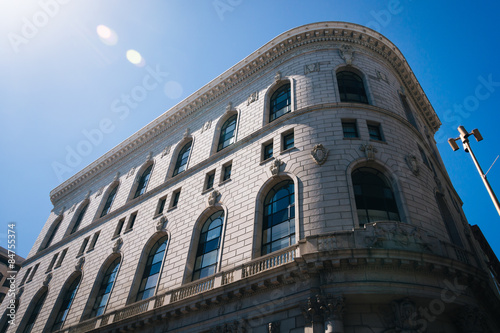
339 275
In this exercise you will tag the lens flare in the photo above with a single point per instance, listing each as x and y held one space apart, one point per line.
106 35
135 58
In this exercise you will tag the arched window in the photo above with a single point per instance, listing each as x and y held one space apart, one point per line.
51 233
105 289
280 102
67 300
227 133
152 270
351 87
31 318
207 255
143 181
79 219
182 159
109 201
278 229
374 197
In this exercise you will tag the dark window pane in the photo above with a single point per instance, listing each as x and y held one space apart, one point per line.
143 181
109 201
268 151
152 269
182 159
280 102
207 253
350 129
288 141
351 87
227 133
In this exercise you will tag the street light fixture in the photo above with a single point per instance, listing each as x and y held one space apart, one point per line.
464 135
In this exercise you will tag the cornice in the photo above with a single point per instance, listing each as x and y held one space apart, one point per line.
279 46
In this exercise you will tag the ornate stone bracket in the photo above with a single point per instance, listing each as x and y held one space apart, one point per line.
46 282
311 68
87 196
275 167
252 98
99 192
229 106
72 209
149 157
319 154
277 76
79 264
131 172
117 176
412 163
61 212
206 126
347 53
213 197
369 151
166 151
118 244
161 224
406 317
328 309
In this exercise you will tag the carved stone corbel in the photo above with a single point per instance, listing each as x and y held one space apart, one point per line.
213 197
46 282
117 176
187 132
79 264
149 157
118 244
347 53
131 172
277 76
160 225
275 167
369 151
229 106
87 196
165 151
252 98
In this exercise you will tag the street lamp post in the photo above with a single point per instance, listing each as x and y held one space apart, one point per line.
464 137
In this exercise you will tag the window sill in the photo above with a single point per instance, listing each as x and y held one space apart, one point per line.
128 230
157 216
171 209
207 190
358 138
265 161
288 150
225 181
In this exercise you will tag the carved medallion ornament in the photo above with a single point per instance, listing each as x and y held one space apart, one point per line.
347 53
277 76
311 68
131 172
166 151
319 154
118 244
253 97
406 317
412 163
275 167
161 224
321 308
206 126
72 209
46 282
369 151
79 264
213 197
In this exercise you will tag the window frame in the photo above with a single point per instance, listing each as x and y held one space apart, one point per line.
345 125
143 181
275 94
345 89
181 161
222 134
378 127
284 135
264 154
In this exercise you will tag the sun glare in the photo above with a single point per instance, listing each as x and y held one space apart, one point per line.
107 35
135 58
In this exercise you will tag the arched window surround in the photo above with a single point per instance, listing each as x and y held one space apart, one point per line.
222 120
142 264
357 71
269 93
393 182
49 237
84 205
138 177
195 239
104 198
259 210
42 292
97 284
175 155
58 303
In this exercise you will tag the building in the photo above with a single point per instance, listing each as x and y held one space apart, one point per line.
9 262
299 191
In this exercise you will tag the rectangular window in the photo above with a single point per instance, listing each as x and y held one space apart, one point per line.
175 198
226 171
375 131
33 272
209 180
94 241
84 246
350 129
131 221
267 150
119 228
25 277
61 258
408 112
161 205
52 262
287 140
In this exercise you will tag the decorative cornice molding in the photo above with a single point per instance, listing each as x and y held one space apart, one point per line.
339 32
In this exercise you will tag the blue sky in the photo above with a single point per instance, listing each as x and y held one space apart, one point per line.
60 80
